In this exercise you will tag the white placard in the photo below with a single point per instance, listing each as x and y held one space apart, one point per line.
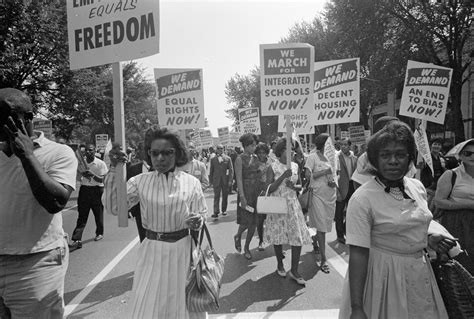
45 126
249 120
224 137
286 78
426 91
336 92
101 141
107 31
206 139
300 124
180 98
421 140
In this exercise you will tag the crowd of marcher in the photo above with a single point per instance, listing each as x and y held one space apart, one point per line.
380 211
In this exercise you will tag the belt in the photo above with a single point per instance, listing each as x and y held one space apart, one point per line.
168 237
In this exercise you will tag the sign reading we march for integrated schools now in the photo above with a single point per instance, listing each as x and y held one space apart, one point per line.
180 98
426 91
336 92
286 78
249 120
106 31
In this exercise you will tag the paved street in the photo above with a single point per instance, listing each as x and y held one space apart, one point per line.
100 275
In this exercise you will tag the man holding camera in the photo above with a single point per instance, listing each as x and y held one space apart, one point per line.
37 177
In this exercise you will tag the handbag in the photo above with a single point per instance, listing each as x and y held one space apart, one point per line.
271 204
204 280
456 285
305 199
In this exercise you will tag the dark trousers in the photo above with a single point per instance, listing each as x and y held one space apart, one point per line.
340 218
90 197
224 188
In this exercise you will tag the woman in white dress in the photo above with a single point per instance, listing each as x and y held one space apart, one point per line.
387 230
322 209
286 229
171 203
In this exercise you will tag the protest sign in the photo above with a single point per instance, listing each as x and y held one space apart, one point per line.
357 134
300 124
234 139
336 92
344 135
286 78
106 31
206 139
367 134
45 126
426 92
224 137
196 139
101 141
330 154
180 98
421 140
249 120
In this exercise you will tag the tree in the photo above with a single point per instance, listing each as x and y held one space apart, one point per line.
244 92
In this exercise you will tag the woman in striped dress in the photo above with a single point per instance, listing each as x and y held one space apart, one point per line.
171 203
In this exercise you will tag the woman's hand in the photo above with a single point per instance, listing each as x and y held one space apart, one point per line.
440 243
194 221
287 173
243 202
358 313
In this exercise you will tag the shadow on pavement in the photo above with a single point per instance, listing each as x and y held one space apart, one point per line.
104 291
235 267
269 287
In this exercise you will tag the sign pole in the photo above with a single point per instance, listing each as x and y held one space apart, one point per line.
119 136
288 141
419 157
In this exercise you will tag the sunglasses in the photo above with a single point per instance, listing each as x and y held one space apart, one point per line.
164 153
467 153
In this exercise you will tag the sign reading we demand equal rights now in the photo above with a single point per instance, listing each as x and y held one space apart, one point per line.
180 98
286 78
336 92
107 31
426 91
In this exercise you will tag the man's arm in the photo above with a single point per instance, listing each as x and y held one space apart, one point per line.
211 169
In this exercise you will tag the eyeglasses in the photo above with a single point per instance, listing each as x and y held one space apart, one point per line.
467 153
399 156
165 153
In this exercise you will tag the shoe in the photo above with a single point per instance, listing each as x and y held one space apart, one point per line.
299 280
260 247
215 215
341 240
98 237
237 244
248 255
76 244
324 268
281 273
224 214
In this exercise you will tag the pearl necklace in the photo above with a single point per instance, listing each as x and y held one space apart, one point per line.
395 192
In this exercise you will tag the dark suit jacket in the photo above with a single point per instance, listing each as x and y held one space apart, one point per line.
345 174
221 172
134 170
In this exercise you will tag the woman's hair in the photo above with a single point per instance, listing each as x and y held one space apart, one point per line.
320 141
247 139
281 146
397 132
181 157
262 147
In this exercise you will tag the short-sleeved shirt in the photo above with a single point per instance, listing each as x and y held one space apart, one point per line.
376 219
97 167
464 187
26 226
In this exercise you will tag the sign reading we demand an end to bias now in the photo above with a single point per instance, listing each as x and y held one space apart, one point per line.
336 92
426 92
286 78
249 120
107 31
180 98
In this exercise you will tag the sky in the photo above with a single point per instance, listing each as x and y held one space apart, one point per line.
222 37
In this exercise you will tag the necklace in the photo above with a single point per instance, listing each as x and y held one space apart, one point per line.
395 192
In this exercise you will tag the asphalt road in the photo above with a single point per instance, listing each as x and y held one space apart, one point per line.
100 275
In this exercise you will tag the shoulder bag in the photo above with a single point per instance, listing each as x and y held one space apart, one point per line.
271 204
305 198
205 276
438 212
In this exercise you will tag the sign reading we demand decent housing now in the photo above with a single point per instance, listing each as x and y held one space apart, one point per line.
286 79
336 92
249 120
106 31
426 91
180 98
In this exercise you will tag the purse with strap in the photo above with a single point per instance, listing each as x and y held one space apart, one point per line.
271 204
205 276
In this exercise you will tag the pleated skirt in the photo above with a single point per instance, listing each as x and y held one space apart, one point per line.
160 280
